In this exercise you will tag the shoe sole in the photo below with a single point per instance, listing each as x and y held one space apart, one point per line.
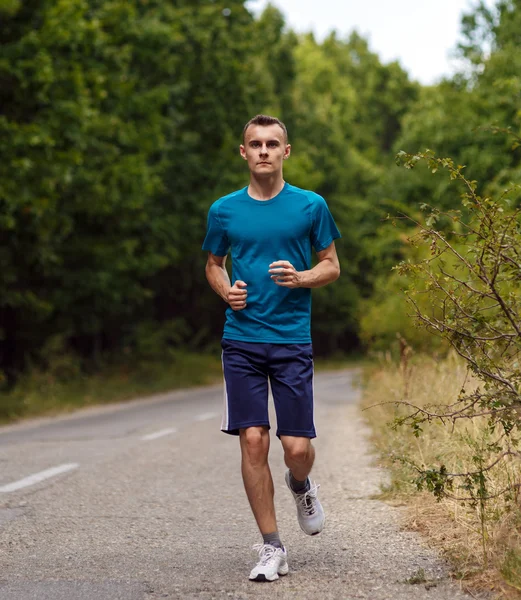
265 579
314 533
262 577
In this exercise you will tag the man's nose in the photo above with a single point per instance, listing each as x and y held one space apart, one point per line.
264 149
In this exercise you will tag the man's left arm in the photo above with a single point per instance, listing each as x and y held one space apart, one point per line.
327 270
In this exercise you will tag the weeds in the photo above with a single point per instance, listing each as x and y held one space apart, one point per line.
481 534
417 577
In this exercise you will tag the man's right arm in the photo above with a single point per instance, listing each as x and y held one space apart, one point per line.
219 280
217 275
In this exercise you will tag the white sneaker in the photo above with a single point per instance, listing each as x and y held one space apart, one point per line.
272 563
310 513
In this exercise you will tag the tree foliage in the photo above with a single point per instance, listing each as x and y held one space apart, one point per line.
119 125
465 117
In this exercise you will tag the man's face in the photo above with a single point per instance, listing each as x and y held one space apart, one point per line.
265 148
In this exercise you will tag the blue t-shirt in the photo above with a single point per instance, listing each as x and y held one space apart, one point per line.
260 232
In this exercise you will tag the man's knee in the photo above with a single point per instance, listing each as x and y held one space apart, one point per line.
297 449
255 444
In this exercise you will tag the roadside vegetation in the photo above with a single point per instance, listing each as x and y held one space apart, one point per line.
481 536
447 421
444 401
62 386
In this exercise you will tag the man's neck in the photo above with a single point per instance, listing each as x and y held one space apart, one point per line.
265 188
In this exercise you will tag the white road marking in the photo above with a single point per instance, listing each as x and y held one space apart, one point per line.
158 434
206 416
37 477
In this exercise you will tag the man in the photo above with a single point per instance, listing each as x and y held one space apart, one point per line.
270 227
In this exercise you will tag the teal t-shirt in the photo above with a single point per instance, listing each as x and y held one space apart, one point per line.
260 232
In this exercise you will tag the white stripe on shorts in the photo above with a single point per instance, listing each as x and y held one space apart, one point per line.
313 392
226 417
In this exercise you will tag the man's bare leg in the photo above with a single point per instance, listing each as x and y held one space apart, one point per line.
299 455
256 474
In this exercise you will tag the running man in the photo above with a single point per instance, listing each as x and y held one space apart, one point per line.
269 227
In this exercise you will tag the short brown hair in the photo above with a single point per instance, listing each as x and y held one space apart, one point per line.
265 121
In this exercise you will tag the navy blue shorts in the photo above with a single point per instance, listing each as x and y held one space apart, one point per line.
248 367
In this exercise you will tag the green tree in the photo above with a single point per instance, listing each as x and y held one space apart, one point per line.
348 109
114 133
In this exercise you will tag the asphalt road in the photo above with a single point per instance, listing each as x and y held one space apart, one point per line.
144 500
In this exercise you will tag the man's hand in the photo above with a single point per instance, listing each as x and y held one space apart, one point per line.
237 295
283 273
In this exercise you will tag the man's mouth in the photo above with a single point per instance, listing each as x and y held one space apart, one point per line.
264 162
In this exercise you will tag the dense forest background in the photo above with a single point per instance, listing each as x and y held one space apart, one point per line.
120 122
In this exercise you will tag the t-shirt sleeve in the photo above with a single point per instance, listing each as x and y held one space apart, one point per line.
216 240
323 227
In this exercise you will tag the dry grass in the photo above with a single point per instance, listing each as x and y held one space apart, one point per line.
482 542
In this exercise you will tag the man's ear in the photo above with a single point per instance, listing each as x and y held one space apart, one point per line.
287 151
242 150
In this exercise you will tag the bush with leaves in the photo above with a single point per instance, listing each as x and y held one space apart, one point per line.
472 279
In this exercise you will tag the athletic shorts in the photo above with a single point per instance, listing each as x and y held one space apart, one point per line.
247 368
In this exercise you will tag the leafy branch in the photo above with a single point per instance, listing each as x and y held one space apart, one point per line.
468 292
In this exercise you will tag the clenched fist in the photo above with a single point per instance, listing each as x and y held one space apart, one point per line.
283 273
237 295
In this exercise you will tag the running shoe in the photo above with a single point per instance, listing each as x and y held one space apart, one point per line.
272 563
310 513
